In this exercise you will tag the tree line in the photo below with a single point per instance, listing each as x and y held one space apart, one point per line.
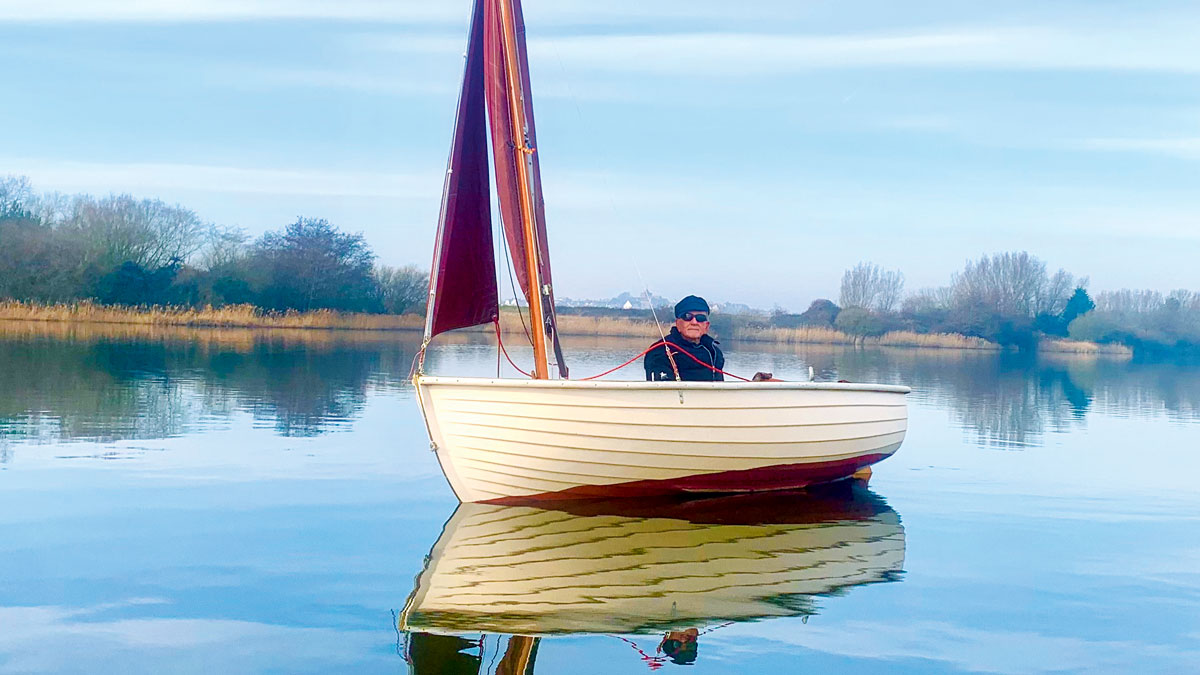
1012 299
119 250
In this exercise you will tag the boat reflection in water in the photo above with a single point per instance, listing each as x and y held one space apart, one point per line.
669 568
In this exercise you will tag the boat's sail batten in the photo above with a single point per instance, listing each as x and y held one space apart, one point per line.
462 288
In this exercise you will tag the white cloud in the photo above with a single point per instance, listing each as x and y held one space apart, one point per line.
140 177
110 11
396 83
567 189
1186 148
1155 43
921 123
1116 48
398 11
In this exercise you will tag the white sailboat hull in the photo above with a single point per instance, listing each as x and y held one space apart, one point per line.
511 441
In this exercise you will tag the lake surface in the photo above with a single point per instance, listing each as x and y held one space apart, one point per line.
242 501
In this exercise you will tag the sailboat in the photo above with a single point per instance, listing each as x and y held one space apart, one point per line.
509 440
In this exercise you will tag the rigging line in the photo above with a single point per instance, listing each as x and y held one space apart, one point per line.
510 361
497 232
513 284
653 313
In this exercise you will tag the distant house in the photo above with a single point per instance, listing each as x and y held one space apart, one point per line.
627 305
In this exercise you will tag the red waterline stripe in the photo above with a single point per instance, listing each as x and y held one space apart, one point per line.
777 477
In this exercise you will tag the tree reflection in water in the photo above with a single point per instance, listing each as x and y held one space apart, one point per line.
61 383
103 383
1011 400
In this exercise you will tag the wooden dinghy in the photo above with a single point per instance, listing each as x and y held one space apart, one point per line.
649 567
512 440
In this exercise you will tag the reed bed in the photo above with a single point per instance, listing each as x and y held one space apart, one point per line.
589 326
1083 347
816 335
250 317
903 338
235 338
233 316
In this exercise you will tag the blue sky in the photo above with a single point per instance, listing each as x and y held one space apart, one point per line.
744 151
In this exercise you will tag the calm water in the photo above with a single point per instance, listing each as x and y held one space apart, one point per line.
266 502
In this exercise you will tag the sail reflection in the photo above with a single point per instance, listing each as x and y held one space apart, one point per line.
671 568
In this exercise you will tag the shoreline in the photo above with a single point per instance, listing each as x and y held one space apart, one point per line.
247 317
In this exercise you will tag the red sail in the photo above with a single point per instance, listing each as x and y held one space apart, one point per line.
505 157
462 284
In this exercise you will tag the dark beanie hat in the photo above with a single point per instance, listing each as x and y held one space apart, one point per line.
692 303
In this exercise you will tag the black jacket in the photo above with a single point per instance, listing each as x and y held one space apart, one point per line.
659 368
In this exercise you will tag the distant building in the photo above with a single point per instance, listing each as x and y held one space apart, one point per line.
627 305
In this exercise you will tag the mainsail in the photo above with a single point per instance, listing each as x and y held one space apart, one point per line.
463 230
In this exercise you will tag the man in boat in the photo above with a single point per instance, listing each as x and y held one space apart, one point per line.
690 352
680 646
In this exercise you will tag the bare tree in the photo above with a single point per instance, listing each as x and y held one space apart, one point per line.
15 194
51 207
868 286
1187 300
1053 297
150 233
929 299
1012 284
224 246
402 289
1126 301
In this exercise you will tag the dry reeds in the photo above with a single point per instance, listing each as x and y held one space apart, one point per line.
591 326
821 335
1083 347
813 335
233 316
248 316
903 338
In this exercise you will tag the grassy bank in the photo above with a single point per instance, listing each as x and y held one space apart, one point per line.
233 316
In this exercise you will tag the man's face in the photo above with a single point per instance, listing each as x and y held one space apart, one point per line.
690 326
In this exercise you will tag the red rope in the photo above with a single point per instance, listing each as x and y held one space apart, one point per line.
610 371
710 367
501 343
613 370
653 662
660 343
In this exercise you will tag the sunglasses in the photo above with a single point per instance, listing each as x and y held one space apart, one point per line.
698 316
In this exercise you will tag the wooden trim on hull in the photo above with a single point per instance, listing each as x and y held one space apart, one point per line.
777 477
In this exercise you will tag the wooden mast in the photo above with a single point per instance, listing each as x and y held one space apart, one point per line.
541 367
